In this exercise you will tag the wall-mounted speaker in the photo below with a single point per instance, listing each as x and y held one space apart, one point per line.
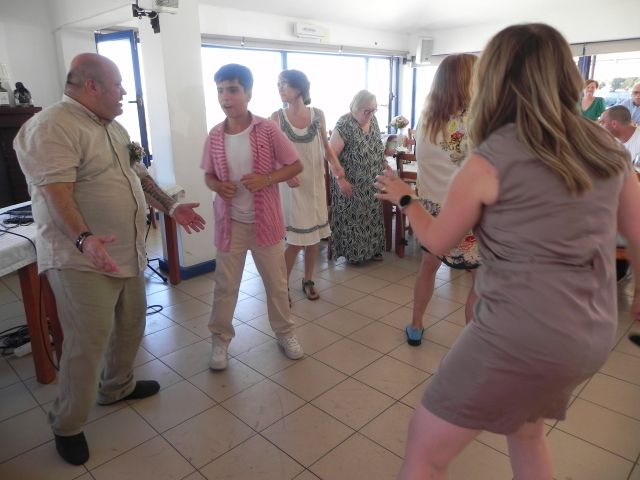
424 50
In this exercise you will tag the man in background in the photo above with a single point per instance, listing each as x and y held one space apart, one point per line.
88 189
617 120
633 104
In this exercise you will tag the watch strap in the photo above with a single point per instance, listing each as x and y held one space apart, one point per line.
81 238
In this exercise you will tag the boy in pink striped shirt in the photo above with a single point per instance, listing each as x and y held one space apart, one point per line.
244 159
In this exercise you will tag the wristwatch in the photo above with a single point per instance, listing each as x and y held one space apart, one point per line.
406 200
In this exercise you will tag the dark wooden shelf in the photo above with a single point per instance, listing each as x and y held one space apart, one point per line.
13 186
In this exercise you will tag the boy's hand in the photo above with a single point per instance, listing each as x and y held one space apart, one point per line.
254 182
227 190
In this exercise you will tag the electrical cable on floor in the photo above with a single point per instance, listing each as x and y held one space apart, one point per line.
13 338
46 341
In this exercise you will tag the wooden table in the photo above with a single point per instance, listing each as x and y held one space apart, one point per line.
18 253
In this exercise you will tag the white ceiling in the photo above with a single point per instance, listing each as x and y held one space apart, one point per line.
412 16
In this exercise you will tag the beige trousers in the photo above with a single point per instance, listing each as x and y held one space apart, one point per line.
229 266
103 320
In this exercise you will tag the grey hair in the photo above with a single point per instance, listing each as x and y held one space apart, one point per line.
361 98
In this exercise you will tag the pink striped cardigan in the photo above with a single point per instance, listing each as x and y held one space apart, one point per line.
271 151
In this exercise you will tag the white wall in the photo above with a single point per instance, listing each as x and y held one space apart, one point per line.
228 21
27 46
576 24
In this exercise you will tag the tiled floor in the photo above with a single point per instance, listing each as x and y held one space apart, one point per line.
340 413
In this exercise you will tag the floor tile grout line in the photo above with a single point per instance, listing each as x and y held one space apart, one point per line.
556 428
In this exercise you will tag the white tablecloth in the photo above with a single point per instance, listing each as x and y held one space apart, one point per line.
15 251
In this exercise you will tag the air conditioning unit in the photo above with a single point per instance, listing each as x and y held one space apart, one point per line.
308 30
424 51
160 6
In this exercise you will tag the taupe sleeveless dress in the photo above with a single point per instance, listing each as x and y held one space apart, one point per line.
547 312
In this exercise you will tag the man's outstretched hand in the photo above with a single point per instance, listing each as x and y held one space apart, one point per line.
185 215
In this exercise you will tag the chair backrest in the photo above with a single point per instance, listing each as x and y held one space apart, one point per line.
402 159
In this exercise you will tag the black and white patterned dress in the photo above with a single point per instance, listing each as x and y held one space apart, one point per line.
356 222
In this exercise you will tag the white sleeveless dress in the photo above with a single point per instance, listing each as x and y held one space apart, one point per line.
305 207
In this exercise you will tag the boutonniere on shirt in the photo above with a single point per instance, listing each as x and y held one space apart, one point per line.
136 152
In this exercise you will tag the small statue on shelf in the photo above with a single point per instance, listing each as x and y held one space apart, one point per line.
22 95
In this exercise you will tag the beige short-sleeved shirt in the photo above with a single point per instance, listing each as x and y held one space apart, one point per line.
67 143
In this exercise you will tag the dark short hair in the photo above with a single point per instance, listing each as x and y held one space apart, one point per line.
619 113
233 71
298 80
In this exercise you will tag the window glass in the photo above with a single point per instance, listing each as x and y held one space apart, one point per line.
424 79
616 74
378 84
265 67
335 79
119 51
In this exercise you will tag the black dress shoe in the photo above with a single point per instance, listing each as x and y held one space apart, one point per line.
73 448
143 389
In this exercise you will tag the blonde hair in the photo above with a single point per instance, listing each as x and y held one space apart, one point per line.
361 98
526 75
450 94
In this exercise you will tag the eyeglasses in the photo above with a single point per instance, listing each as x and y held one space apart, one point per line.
370 111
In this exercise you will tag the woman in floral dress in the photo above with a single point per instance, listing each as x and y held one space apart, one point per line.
440 149
356 221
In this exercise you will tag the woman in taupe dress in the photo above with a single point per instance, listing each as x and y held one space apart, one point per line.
543 191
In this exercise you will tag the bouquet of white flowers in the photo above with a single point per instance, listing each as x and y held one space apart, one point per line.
399 122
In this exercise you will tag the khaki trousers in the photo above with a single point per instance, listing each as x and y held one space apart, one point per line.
103 320
229 267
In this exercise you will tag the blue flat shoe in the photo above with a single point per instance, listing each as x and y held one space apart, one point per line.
414 335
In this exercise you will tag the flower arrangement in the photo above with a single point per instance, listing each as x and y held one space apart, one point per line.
399 122
136 152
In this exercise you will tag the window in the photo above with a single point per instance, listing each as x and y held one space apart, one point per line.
122 48
424 79
334 78
616 74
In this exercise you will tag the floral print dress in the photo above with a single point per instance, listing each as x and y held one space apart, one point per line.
437 163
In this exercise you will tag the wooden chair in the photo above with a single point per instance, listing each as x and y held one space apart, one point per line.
327 180
409 176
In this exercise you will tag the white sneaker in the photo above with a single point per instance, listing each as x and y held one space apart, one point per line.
291 347
218 360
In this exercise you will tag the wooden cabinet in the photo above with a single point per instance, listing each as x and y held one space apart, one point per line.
13 187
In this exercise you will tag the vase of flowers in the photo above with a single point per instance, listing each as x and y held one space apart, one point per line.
400 123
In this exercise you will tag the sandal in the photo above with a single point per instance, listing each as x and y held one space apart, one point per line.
378 257
309 290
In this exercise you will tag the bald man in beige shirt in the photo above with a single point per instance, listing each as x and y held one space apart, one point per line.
88 198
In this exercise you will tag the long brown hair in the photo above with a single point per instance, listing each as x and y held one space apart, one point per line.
450 94
527 75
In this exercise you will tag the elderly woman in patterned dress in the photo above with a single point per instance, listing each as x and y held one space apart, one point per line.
356 221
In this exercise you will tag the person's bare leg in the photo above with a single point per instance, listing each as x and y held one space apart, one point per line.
432 444
423 288
310 255
290 255
471 299
529 453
